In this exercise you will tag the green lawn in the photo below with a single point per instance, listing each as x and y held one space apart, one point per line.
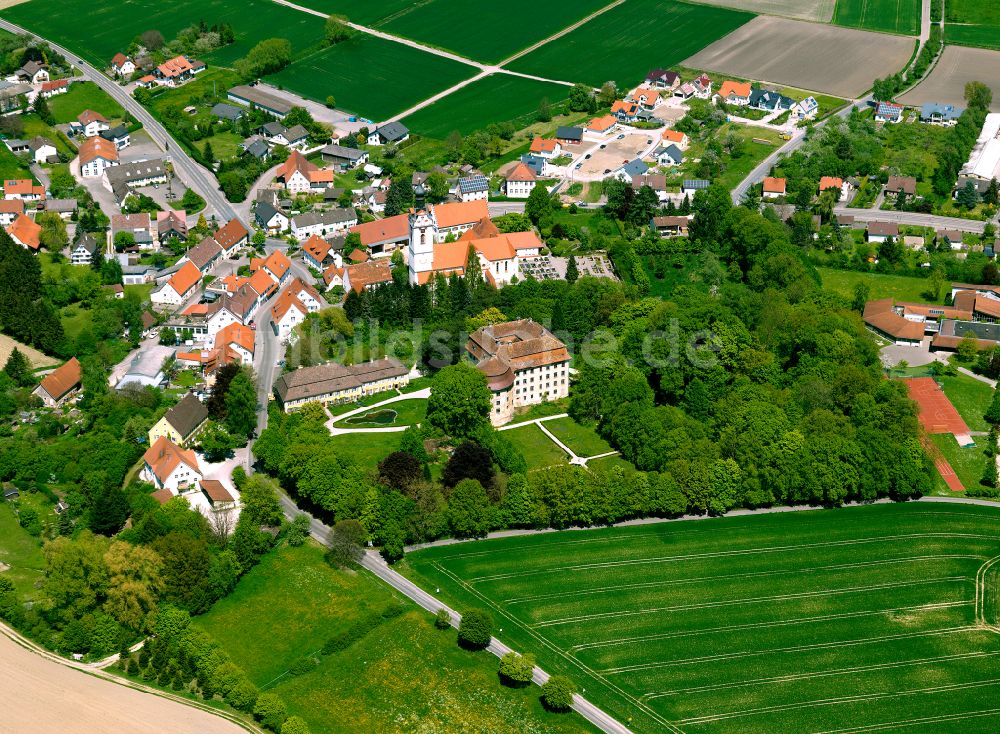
583 440
983 36
403 676
738 168
496 98
407 413
610 463
84 96
629 40
805 621
368 449
968 463
20 551
109 29
537 448
33 126
888 16
970 397
487 32
371 76
225 145
11 166
900 287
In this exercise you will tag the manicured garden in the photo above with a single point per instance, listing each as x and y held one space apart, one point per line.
582 440
538 450
401 413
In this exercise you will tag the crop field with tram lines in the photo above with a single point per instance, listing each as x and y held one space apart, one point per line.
873 618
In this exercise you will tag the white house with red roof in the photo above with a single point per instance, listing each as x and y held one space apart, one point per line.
180 286
166 465
23 189
122 65
546 147
299 175
232 237
25 232
291 307
53 88
89 123
520 182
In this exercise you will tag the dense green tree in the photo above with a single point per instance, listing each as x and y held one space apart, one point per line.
460 401
469 512
346 543
581 98
558 692
516 670
270 711
539 203
294 725
475 629
18 369
337 29
241 406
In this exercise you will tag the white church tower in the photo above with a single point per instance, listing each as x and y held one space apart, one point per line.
423 232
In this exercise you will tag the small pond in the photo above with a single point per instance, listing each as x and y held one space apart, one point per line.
379 417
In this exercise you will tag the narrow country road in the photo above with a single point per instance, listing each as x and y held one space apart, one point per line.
192 174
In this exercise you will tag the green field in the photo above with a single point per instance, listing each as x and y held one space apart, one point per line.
491 31
973 23
403 676
538 449
364 12
83 96
21 552
970 397
888 16
983 36
408 412
11 166
496 98
969 463
900 287
371 76
583 440
33 125
848 620
109 26
629 40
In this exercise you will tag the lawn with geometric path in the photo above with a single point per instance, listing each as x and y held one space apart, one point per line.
848 620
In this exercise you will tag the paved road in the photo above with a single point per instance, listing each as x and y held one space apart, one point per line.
913 218
499 208
192 174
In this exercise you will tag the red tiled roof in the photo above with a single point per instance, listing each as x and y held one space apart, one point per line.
185 279
25 231
62 379
164 456
774 185
391 229
233 232
97 147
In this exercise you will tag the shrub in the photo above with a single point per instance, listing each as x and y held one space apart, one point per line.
475 629
516 670
557 693
269 710
443 620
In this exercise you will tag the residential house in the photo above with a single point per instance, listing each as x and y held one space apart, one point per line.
691 186
169 467
294 137
257 147
204 255
227 112
33 72
10 209
96 156
676 137
663 79
323 223
769 101
384 236
888 112
774 187
391 132
13 96
84 251
520 182
360 276
375 199
881 231
138 225
935 113
179 287
952 238
735 93
897 185
318 253
122 179
118 135
671 226
842 187
524 364
63 207
256 97
669 156
334 383
138 274
271 219
55 88
647 99
174 72
602 125
634 167
23 189
805 109
657 182
702 87
569 135
472 188
25 232
122 65
89 124
276 265
292 305
625 110
60 384
43 150
342 158
546 147
298 175
181 423
232 237
535 162
169 224
116 290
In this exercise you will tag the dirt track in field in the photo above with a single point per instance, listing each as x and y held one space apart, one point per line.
42 696
820 11
958 65
821 58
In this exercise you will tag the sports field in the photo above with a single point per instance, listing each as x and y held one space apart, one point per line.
490 31
626 42
850 620
496 98
371 76
888 16
109 25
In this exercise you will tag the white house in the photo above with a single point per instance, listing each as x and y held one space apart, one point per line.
334 221
805 109
669 156
271 219
89 123
181 285
96 156
888 112
167 466
391 132
520 182
291 307
42 149
122 65
84 250
472 188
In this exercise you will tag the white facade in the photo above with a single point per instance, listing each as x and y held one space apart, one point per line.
96 167
181 475
519 189
165 295
423 230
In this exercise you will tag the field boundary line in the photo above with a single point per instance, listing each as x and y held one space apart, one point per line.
832 645
544 641
753 574
773 623
981 594
857 698
728 553
749 600
911 722
793 677
559 34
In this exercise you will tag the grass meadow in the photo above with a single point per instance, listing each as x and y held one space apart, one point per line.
11 166
496 98
583 440
969 462
982 36
973 23
970 397
493 31
84 96
20 552
887 16
626 42
371 76
538 450
855 619
367 449
402 676
900 287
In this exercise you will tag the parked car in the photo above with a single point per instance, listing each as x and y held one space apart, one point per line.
586 157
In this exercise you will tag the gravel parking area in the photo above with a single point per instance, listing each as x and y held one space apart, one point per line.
615 154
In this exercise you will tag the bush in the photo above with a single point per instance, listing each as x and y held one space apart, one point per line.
475 629
294 725
557 693
516 670
269 710
243 695
443 620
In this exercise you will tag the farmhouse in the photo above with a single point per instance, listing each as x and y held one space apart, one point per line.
25 232
298 175
524 364
344 159
391 132
96 156
182 422
334 383
167 466
33 72
260 99
520 182
204 255
774 187
60 384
